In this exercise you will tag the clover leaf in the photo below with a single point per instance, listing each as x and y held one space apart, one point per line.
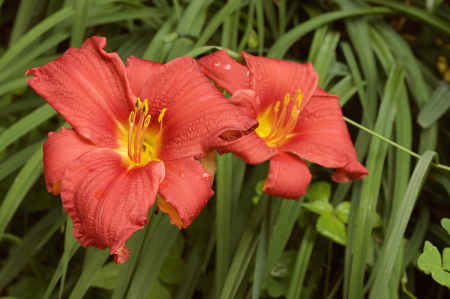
430 262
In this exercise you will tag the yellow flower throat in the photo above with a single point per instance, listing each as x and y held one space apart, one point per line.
276 127
139 148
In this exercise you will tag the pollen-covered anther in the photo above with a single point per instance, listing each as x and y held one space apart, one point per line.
281 126
161 115
299 97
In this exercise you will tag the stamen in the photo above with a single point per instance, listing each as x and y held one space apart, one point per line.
137 105
299 97
130 133
277 107
287 98
162 115
141 144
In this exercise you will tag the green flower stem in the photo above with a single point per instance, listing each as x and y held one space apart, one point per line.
437 165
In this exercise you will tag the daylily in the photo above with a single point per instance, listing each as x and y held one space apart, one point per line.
296 119
136 132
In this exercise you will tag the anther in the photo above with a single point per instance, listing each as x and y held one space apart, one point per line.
161 115
287 98
294 111
138 104
299 97
145 107
277 107
131 118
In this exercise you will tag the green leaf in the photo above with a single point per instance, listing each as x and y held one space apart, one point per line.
107 276
319 207
318 191
437 106
445 222
332 228
284 265
430 259
431 5
377 221
172 270
284 43
158 290
278 288
342 211
446 259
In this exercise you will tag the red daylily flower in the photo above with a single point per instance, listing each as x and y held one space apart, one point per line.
123 151
296 119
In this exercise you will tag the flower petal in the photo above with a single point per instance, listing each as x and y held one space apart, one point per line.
273 78
251 149
60 149
186 188
139 71
225 71
288 176
196 111
107 202
321 136
89 88
247 101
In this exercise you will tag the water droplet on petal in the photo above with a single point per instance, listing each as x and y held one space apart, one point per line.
163 185
100 193
248 73
216 63
228 67
206 177
181 173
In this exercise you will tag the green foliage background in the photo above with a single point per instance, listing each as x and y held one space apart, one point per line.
385 59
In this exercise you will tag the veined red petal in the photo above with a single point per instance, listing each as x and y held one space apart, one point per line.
196 111
251 149
273 78
138 72
351 171
225 71
107 202
186 187
321 136
89 88
288 176
60 149
247 101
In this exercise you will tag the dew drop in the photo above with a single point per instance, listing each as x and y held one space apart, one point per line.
248 73
228 67
100 193
181 173
216 63
163 185
206 177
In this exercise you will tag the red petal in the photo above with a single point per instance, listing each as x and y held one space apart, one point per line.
139 71
225 71
196 111
107 202
351 171
273 78
89 88
247 102
251 148
288 176
321 136
60 149
186 187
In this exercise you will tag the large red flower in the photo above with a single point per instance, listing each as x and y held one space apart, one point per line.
296 119
122 150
